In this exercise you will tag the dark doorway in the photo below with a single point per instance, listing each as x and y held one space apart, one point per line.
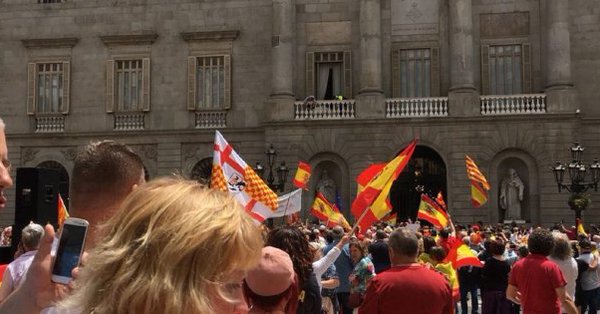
202 171
425 173
63 184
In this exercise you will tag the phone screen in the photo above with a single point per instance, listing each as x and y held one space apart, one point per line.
69 249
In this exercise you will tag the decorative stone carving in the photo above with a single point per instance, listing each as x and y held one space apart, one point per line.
28 154
69 153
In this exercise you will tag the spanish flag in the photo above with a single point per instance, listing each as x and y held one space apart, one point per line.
325 211
479 184
461 255
63 214
371 202
450 273
580 229
302 175
430 211
440 200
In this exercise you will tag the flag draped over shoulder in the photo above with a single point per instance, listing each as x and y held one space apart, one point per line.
63 214
372 202
231 173
479 185
327 212
302 175
430 211
461 255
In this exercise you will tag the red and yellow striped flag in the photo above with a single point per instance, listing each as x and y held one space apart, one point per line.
63 214
440 200
327 212
370 203
302 175
430 211
479 184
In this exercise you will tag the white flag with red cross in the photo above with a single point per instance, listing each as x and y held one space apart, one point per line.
231 173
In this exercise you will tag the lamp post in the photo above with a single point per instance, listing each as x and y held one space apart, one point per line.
577 186
282 171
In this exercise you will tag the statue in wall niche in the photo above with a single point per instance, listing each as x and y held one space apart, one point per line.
327 187
511 195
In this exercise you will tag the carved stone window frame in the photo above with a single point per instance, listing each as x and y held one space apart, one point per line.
311 74
44 51
128 47
209 44
526 63
434 48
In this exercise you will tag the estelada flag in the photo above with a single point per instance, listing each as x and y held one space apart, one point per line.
302 175
461 255
431 211
230 173
479 184
63 214
372 200
325 211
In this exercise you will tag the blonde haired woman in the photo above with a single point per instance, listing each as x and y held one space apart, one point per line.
174 247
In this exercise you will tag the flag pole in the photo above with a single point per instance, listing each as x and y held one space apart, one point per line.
355 227
287 204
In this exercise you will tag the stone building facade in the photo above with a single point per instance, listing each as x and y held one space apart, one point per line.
340 84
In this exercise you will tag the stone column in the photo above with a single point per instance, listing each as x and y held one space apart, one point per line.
560 96
282 98
370 95
463 96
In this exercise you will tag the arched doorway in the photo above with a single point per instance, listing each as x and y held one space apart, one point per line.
63 184
425 173
202 171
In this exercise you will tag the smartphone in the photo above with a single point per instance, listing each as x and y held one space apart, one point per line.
70 247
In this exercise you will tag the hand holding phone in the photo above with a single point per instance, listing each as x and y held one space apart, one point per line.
70 247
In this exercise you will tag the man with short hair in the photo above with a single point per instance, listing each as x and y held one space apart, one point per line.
379 252
536 282
104 173
407 287
5 179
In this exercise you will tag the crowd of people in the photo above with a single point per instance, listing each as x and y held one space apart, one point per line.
173 245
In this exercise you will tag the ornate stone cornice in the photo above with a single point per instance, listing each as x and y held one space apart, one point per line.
67 42
211 36
144 39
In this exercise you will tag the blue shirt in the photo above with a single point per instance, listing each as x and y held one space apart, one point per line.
343 265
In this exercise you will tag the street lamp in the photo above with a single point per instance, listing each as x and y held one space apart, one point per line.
282 170
577 174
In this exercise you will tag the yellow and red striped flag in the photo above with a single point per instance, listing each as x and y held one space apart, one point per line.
327 212
430 211
302 175
63 214
230 173
479 184
371 203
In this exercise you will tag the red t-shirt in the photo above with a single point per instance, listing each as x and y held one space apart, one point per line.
408 289
536 278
